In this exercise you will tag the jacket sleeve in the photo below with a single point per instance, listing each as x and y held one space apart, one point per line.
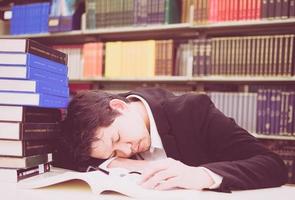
238 157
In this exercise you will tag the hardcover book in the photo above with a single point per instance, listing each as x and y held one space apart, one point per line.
28 131
27 59
31 73
24 162
33 47
20 148
29 114
32 86
15 175
33 99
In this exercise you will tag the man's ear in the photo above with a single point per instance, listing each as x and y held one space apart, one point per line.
118 105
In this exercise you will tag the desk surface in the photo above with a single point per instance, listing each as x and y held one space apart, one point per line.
75 190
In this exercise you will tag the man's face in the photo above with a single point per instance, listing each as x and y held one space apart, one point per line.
126 136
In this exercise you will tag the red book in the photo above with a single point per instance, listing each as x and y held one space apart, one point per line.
220 2
226 10
258 9
213 10
92 56
250 9
222 10
243 10
231 10
235 9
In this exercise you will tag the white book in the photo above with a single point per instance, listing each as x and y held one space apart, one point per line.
14 85
32 99
99 182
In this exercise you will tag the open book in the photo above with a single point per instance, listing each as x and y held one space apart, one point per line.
98 182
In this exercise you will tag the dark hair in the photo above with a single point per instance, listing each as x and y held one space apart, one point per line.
86 112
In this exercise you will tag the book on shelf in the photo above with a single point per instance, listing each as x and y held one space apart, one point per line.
29 18
31 73
65 15
33 86
267 55
15 175
29 114
101 14
33 99
75 54
21 148
24 162
93 59
28 131
32 47
27 59
292 8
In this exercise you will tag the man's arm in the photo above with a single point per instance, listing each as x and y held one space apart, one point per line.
239 158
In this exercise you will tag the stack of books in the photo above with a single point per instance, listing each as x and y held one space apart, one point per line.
33 90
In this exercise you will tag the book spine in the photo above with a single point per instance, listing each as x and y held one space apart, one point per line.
282 113
37 131
45 64
36 114
259 111
271 9
46 52
258 9
290 119
264 9
33 171
292 9
38 74
278 9
272 112
36 147
50 101
52 89
285 9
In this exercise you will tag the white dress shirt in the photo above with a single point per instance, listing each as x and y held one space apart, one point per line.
157 151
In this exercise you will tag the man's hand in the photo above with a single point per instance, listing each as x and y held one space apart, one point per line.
169 173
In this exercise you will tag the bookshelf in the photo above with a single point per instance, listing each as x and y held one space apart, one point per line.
179 31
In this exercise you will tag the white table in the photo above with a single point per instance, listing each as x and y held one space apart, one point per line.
78 190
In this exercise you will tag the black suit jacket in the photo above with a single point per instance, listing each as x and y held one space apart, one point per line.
195 132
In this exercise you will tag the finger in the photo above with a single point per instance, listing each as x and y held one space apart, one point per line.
168 184
158 178
153 168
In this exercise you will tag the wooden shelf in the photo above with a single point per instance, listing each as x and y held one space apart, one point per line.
249 27
205 79
176 31
274 137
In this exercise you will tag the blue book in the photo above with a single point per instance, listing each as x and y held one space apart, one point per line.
45 17
27 59
278 112
259 111
267 120
282 113
290 114
33 99
31 73
33 86
272 111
